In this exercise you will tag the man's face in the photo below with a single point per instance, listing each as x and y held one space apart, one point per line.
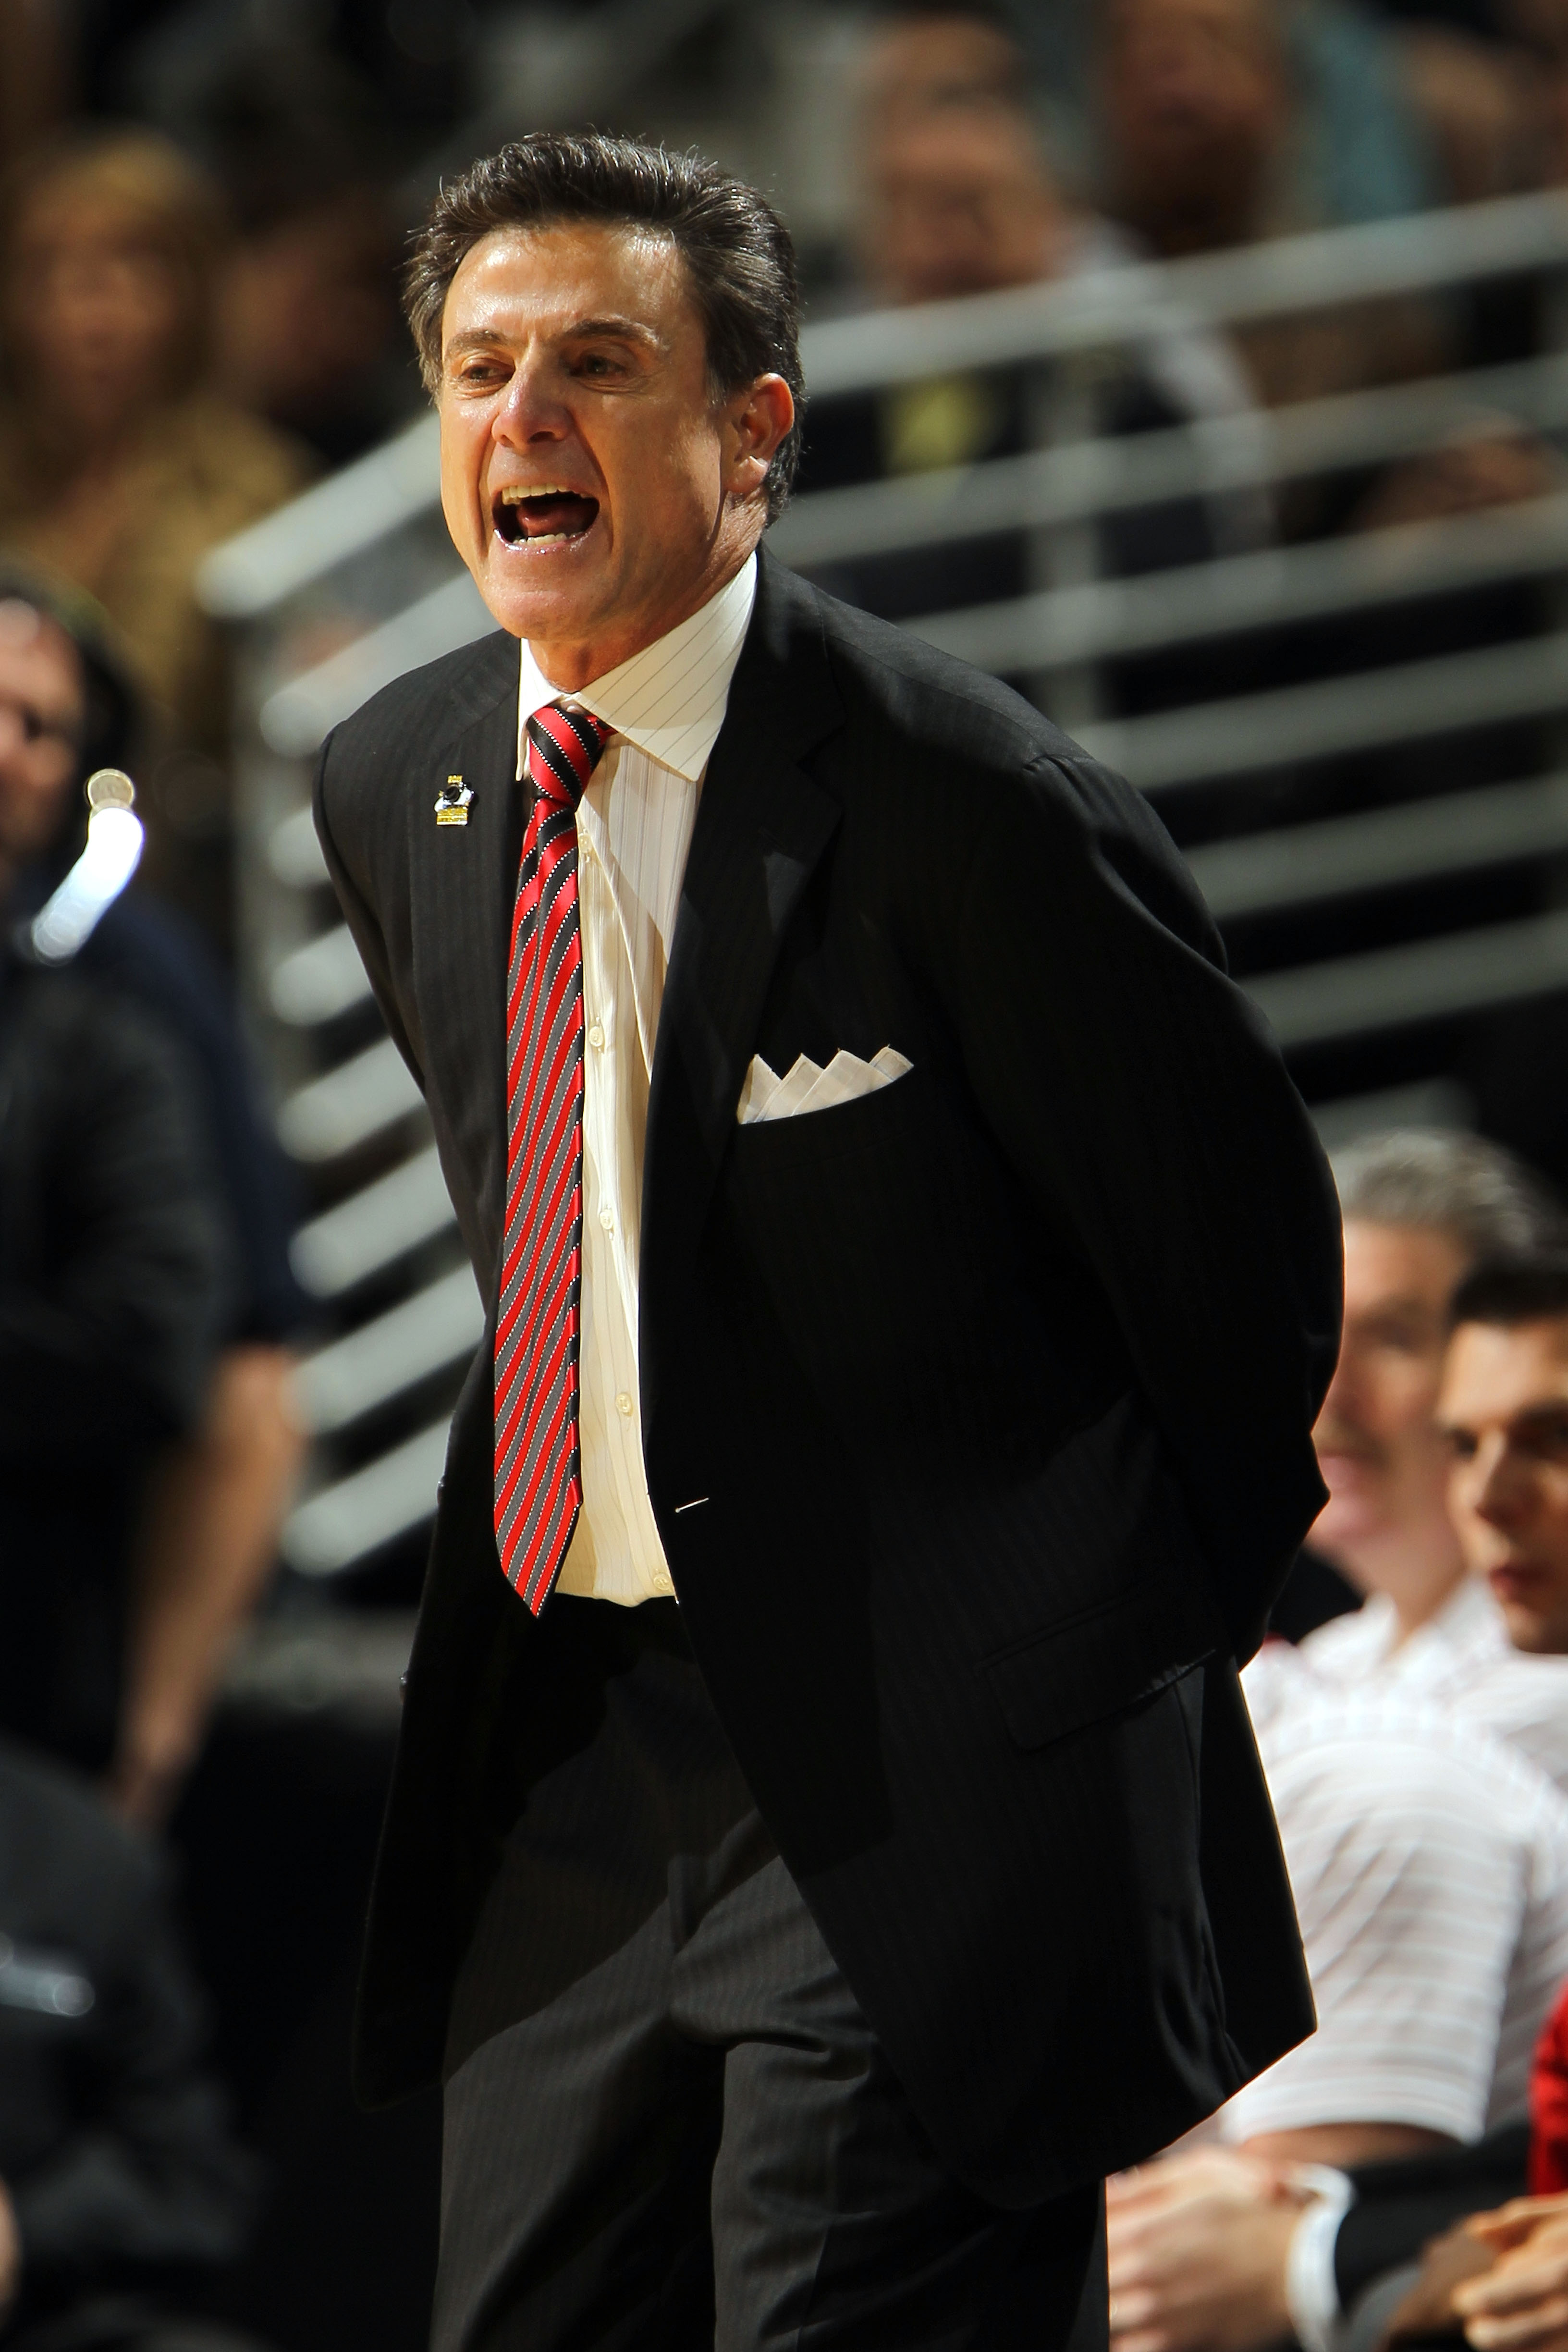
593 486
94 313
1504 1410
1382 1456
41 713
1193 93
959 202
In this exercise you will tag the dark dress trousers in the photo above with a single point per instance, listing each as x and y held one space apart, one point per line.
977 1412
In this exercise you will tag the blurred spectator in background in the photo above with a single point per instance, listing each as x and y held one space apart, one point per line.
110 1296
308 331
1216 2251
183 1564
1197 104
958 197
1224 121
1502 2274
1429 1866
119 466
120 2188
1420 1210
1481 106
1503 1412
34 72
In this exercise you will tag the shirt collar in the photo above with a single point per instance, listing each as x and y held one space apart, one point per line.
669 698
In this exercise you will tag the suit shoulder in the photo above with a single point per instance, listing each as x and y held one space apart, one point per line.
922 692
442 696
927 735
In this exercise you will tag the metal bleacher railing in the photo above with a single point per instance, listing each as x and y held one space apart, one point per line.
356 581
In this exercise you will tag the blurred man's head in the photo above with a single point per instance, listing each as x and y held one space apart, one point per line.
927 57
43 713
1419 1211
1196 104
956 195
66 707
958 202
1504 1413
112 246
610 336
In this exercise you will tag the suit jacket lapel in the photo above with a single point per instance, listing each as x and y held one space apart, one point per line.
761 827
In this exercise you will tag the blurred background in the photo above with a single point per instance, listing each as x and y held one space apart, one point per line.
1199 366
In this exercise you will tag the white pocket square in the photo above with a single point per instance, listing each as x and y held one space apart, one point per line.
767 1096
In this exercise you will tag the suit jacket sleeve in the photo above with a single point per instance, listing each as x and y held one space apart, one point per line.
1142 1101
345 864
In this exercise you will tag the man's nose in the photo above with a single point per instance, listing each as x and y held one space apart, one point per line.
1340 1401
1498 1490
531 410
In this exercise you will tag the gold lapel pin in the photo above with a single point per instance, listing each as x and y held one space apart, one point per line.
452 801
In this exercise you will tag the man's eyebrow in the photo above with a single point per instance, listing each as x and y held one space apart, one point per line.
608 329
472 339
1543 1411
612 329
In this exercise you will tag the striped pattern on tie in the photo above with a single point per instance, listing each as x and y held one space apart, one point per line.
539 1483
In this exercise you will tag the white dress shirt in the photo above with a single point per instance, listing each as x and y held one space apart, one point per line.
634 829
1461 1659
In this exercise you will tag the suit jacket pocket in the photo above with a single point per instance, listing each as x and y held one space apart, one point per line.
1097 1663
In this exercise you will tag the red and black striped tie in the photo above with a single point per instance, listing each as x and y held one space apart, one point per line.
538 1481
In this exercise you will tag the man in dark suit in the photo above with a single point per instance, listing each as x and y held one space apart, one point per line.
912 1278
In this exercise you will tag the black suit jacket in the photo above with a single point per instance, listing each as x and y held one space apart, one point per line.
975 1412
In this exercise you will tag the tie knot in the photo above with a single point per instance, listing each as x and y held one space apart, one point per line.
564 747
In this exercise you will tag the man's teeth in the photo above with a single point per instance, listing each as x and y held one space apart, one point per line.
514 493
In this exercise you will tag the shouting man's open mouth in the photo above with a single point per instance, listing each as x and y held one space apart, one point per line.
547 516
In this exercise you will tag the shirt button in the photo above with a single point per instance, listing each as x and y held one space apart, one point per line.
625 1406
607 1219
660 1580
596 1038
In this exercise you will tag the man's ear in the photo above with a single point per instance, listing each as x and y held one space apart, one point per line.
760 417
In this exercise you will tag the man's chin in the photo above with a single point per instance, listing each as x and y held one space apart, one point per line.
1534 1608
550 592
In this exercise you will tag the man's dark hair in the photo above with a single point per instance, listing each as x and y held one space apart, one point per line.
115 726
1508 1291
739 256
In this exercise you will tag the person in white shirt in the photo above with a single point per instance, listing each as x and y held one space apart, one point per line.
1429 1863
1205 2248
1420 1210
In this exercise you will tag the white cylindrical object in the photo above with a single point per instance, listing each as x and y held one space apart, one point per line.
106 865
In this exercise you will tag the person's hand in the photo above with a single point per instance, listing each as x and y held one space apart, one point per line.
1521 2304
1198 2250
10 2251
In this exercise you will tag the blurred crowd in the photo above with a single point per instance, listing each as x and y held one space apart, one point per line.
201 211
